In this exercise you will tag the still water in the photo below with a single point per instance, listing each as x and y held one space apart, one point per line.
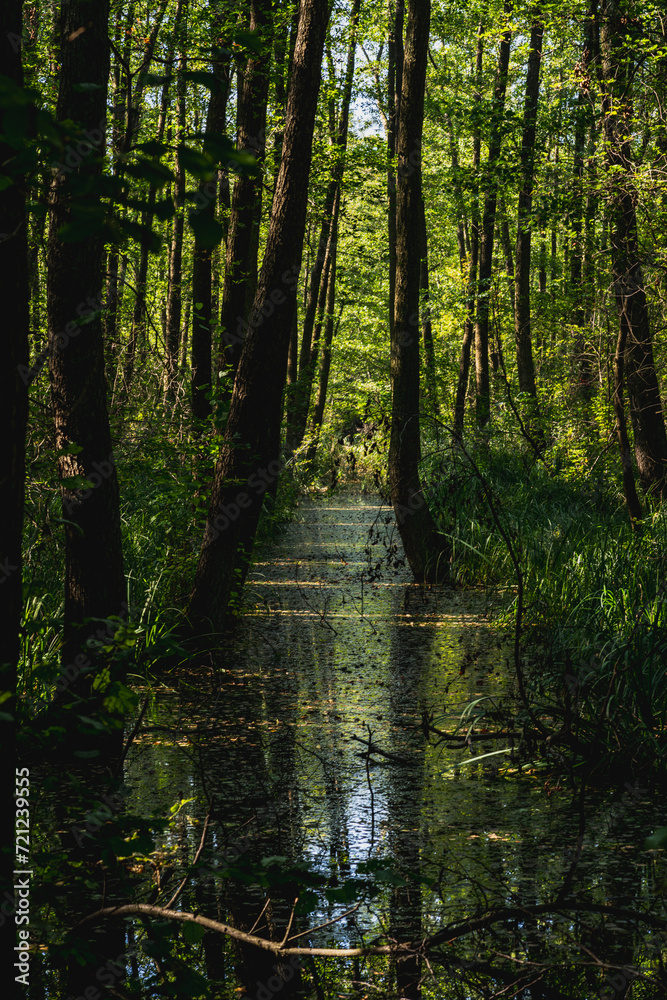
336 647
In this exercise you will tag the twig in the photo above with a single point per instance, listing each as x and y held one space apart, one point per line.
195 860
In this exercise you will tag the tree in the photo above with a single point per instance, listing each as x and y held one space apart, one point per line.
94 579
491 181
320 273
14 287
473 260
249 455
205 236
524 345
423 547
617 27
243 233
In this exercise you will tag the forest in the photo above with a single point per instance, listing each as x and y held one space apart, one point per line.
333 633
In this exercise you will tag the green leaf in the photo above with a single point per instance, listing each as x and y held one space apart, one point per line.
193 933
208 232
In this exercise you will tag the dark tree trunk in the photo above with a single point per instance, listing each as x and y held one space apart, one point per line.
643 390
94 580
524 343
473 260
483 394
424 551
325 360
248 459
629 488
139 311
15 296
202 273
242 236
318 282
172 332
506 243
425 312
394 85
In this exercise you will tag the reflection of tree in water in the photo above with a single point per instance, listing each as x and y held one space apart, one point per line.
251 777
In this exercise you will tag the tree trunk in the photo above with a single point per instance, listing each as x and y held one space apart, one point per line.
202 305
394 85
524 344
325 361
318 283
248 459
139 311
241 270
94 579
426 555
643 390
473 260
483 393
15 296
425 311
506 243
174 291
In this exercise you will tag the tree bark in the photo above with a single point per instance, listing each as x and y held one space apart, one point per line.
318 283
15 296
248 459
522 327
646 412
394 84
241 270
139 311
473 260
483 389
202 273
94 579
174 290
424 551
425 312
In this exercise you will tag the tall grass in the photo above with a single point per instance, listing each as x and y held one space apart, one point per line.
595 617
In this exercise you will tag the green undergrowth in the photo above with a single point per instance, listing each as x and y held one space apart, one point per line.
594 616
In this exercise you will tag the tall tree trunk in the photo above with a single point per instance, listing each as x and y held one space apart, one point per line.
524 344
174 290
330 329
248 459
426 555
139 311
242 236
318 283
94 579
483 393
643 390
15 296
394 84
425 311
202 272
629 488
506 243
473 260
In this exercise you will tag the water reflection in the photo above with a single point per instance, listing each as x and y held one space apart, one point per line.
334 652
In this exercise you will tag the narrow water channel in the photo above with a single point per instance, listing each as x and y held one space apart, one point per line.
337 646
